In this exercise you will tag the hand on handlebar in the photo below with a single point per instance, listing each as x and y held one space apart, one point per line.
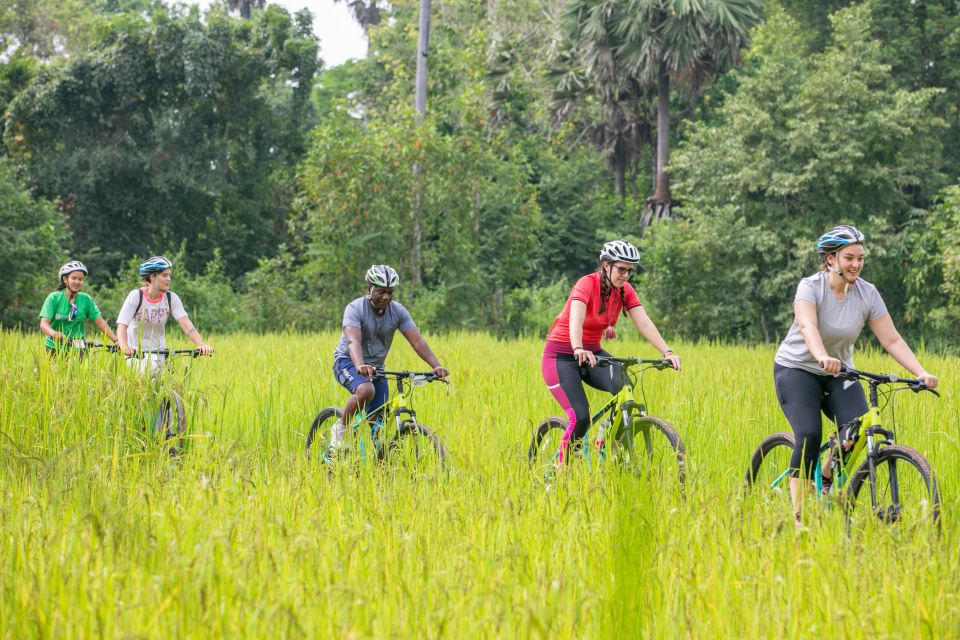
441 372
205 350
367 370
928 379
586 356
830 365
674 360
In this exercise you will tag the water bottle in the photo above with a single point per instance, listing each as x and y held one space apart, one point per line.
602 433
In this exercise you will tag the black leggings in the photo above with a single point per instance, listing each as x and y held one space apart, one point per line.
565 377
803 395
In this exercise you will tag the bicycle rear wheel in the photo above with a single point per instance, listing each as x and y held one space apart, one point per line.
416 447
652 445
769 472
171 422
317 436
546 440
905 491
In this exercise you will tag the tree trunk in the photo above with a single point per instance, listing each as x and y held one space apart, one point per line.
661 204
420 103
423 46
620 180
245 9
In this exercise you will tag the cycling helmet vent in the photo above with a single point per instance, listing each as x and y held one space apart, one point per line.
73 265
837 238
620 251
156 264
381 275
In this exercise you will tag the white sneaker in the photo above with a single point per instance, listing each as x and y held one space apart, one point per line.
336 434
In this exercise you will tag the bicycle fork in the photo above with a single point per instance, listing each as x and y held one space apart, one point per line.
892 513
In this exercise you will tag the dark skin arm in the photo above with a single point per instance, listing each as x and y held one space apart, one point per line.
419 344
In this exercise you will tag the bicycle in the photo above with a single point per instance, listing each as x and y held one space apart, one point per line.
169 419
412 441
894 494
622 422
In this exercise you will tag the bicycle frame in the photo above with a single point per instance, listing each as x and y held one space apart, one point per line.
869 425
396 405
625 400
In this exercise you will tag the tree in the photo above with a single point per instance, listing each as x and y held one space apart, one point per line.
30 235
589 67
173 131
802 145
685 41
245 6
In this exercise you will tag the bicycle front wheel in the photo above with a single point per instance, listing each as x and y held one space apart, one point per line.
171 422
317 436
769 472
652 444
416 447
904 491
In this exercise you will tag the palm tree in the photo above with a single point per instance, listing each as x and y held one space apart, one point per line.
588 65
244 6
367 13
688 41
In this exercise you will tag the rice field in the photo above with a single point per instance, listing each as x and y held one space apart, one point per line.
104 535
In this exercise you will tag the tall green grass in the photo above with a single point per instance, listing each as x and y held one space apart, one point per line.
101 534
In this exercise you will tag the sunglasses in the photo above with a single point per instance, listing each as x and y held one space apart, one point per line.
625 271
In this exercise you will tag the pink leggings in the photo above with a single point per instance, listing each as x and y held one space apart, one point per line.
565 377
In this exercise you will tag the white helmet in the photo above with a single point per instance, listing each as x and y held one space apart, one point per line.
620 251
380 275
73 265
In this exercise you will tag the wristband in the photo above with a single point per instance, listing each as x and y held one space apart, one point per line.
666 351
575 349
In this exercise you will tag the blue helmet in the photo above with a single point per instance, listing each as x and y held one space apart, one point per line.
156 264
836 239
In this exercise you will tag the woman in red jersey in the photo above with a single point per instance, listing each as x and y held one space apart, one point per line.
591 311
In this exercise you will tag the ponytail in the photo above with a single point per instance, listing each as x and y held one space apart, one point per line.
605 286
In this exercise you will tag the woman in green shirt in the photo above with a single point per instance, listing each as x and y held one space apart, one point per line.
64 311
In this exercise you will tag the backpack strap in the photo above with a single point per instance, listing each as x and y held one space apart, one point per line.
139 302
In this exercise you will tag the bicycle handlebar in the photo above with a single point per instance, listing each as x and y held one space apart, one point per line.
112 348
658 363
914 384
428 376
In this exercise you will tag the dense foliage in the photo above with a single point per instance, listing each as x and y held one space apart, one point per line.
224 141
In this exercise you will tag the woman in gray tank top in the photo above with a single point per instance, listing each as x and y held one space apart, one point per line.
831 307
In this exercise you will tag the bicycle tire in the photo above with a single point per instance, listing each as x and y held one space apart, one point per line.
763 452
171 422
922 489
552 427
412 442
316 435
658 457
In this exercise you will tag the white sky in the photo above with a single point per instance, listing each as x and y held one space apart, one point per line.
341 38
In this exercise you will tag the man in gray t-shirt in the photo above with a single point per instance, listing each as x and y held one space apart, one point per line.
369 324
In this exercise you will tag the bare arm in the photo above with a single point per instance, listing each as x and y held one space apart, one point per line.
355 349
806 314
101 324
419 344
187 327
122 341
47 330
578 312
651 334
894 344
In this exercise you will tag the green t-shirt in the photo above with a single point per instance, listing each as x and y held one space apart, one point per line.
68 318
